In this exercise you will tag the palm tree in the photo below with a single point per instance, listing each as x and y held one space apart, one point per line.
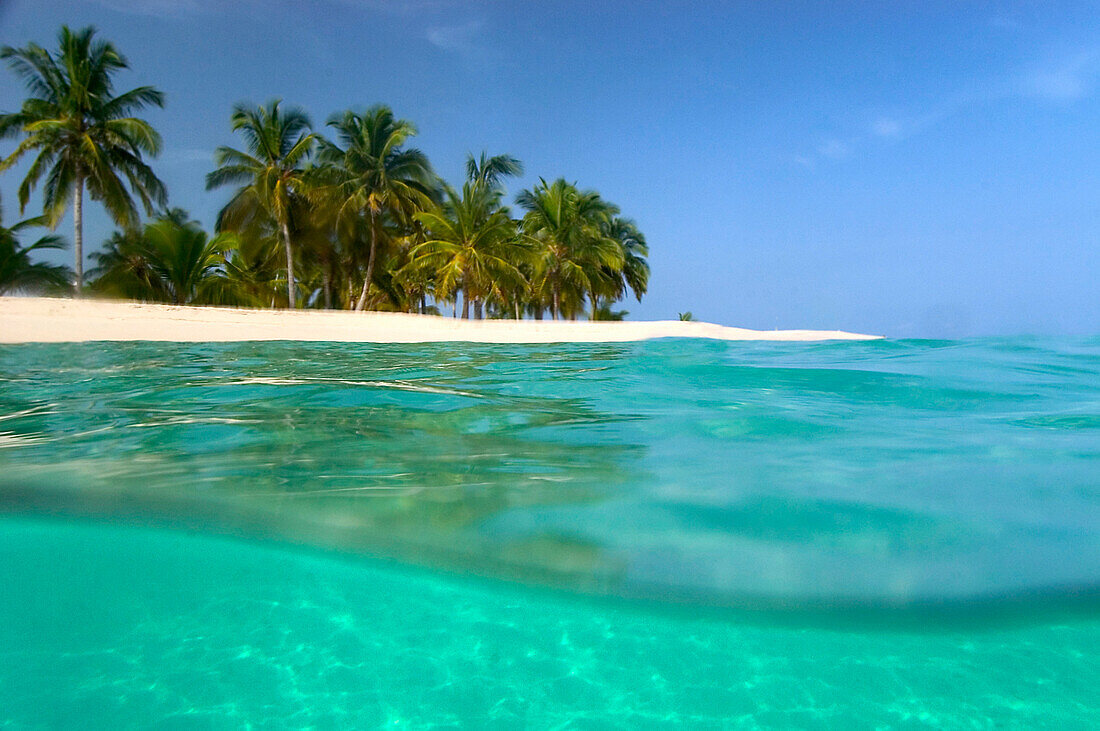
190 265
573 251
634 273
467 249
271 173
372 176
170 260
321 250
123 269
18 271
84 134
253 271
490 170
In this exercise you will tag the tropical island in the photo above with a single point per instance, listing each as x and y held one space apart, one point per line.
351 218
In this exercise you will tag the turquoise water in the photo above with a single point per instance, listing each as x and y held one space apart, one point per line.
881 534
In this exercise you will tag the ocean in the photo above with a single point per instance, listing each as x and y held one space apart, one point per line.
740 535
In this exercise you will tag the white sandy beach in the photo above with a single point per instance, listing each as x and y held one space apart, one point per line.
49 320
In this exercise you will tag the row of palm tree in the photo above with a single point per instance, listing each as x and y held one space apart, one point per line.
351 217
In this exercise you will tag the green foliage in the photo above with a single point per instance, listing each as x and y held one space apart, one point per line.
83 134
490 171
686 317
271 174
255 273
19 272
634 274
473 245
604 312
168 261
575 253
373 179
359 220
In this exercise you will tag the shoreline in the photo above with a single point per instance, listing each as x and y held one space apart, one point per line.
57 320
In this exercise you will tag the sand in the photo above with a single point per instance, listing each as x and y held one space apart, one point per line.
49 320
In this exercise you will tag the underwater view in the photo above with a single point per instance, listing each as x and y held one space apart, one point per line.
867 534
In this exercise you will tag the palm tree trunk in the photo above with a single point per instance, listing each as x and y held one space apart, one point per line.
370 264
326 284
78 235
477 309
465 304
594 307
291 291
557 301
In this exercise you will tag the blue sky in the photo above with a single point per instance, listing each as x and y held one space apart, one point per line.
913 169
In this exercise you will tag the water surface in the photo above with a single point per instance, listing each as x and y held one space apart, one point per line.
858 530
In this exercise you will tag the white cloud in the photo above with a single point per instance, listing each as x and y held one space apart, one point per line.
805 161
1066 79
900 127
834 149
1061 78
886 127
461 39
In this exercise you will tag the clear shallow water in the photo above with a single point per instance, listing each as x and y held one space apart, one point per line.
122 627
821 533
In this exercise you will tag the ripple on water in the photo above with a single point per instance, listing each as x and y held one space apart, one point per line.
895 472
